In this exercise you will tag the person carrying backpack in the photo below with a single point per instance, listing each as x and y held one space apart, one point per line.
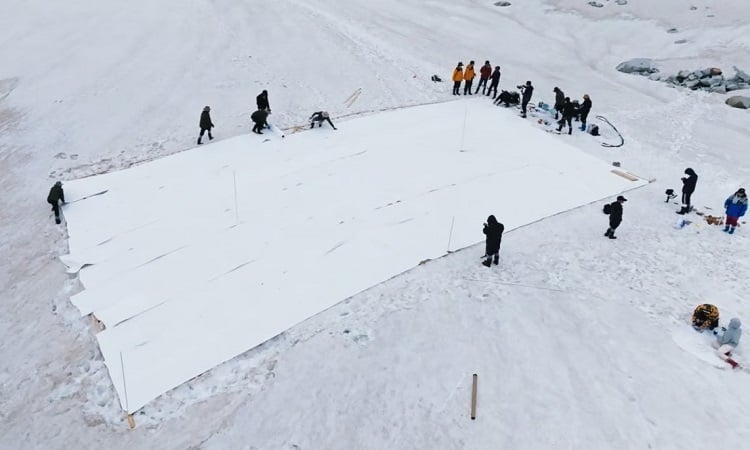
614 210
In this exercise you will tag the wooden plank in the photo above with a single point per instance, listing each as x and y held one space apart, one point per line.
626 175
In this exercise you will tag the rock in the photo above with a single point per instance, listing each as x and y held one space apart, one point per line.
705 72
642 66
680 41
596 4
739 101
683 74
732 86
622 2
716 80
721 89
692 76
705 81
693 84
502 3
693 8
655 77
698 73
743 85
741 75
672 30
714 71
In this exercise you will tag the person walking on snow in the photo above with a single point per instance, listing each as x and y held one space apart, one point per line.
458 77
495 77
568 111
584 110
559 101
56 195
319 117
484 75
494 232
688 187
262 101
735 206
259 120
469 75
205 124
615 216
728 340
526 91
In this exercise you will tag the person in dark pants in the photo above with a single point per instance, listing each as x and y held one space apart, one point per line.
494 232
484 74
262 101
568 111
205 124
526 91
495 80
259 119
458 77
319 117
688 187
559 101
615 216
56 195
584 110
469 75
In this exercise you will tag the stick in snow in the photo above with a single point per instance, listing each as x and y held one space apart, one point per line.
88 196
474 397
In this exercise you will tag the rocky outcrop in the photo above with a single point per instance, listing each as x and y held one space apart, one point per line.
711 79
640 66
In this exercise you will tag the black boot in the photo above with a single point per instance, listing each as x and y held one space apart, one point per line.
487 262
199 141
608 233
210 138
496 261
57 220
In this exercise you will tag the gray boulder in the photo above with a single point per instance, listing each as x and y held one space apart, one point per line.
732 86
739 101
741 75
502 3
596 4
642 66
622 2
693 84
672 30
721 89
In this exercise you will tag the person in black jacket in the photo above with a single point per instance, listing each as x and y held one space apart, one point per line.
615 216
319 117
262 101
494 81
584 110
494 231
568 111
259 119
205 124
56 195
688 187
526 91
559 101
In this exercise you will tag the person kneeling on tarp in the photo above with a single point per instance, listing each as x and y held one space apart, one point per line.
705 317
727 340
319 117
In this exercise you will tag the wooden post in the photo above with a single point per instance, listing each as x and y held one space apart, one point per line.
474 397
131 421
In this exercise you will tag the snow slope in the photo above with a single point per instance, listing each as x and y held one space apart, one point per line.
97 87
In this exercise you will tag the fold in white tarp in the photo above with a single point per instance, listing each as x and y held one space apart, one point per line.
186 275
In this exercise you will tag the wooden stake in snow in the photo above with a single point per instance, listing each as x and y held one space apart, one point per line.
131 421
474 397
450 234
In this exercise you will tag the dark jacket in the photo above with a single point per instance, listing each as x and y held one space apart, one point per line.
485 72
527 91
585 107
56 194
206 123
259 116
495 77
494 231
559 99
615 213
262 101
688 183
568 109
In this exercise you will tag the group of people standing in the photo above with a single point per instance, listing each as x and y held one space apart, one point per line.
486 74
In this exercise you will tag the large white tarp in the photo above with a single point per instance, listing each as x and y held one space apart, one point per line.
193 259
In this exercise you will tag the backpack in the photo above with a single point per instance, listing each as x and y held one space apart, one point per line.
594 130
607 209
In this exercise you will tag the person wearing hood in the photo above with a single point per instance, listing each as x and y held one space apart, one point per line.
688 187
735 206
615 216
469 75
484 74
494 232
259 120
527 91
584 110
205 124
458 77
559 101
727 340
262 101
495 77
56 195
568 110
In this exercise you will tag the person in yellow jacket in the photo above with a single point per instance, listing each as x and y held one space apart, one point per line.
458 76
469 75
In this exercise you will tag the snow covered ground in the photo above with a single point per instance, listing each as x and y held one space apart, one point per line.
577 339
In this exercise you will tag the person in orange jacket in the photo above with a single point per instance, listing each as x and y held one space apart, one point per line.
458 76
469 75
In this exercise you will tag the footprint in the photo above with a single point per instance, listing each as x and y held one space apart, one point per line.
61 155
